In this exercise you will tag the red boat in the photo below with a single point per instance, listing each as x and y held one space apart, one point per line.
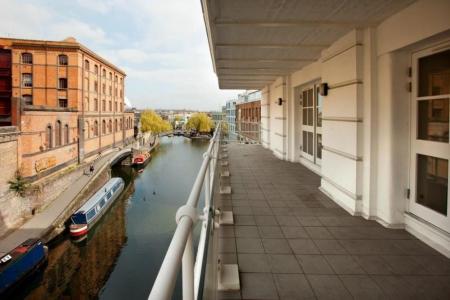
141 158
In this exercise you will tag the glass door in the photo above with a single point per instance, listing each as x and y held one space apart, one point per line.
430 136
311 127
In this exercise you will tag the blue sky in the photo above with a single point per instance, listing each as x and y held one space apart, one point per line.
161 45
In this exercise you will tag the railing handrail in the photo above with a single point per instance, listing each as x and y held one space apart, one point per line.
180 247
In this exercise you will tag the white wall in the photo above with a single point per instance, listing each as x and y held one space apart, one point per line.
366 116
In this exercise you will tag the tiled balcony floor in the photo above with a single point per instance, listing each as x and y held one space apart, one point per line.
292 242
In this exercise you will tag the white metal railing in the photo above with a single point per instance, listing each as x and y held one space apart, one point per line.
181 250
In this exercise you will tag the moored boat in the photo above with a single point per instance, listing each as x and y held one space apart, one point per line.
92 211
20 262
141 158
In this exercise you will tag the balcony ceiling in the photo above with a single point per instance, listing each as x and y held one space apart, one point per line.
252 42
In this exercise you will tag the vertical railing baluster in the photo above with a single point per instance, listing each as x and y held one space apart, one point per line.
188 270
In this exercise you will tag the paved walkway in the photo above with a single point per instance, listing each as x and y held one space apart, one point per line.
40 223
292 242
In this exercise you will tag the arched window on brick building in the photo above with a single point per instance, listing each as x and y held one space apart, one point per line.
48 136
103 127
96 128
58 133
109 126
87 130
66 134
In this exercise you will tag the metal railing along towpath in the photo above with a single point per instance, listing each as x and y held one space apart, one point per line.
181 248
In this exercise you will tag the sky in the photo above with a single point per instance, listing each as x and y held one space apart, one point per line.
160 44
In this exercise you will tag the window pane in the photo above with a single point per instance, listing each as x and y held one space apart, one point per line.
305 141
432 183
310 97
433 120
310 116
434 74
310 143
319 146
305 116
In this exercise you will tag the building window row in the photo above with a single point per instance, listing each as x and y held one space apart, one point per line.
27 59
61 135
107 128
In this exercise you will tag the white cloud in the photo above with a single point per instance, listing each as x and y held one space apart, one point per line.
162 45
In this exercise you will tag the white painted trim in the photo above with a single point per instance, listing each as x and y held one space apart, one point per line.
428 233
342 153
310 165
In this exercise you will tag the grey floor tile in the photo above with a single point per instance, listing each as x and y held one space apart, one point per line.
229 295
228 258
309 221
283 263
330 247
362 287
303 246
270 232
262 211
314 264
244 220
404 265
265 220
435 265
328 287
276 246
258 286
293 286
294 232
287 221
246 231
344 264
226 231
373 264
227 245
249 245
318 233
253 263
242 210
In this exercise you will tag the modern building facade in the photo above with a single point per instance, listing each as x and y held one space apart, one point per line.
357 91
248 117
217 116
230 117
66 101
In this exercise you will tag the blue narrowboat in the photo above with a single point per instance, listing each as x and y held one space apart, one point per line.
92 211
17 264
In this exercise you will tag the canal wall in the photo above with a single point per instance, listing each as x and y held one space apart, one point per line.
16 210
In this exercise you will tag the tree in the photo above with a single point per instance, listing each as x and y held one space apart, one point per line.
152 122
200 122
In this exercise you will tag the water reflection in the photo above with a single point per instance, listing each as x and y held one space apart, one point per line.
121 257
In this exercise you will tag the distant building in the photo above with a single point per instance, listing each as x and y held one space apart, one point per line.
248 117
66 102
217 116
230 117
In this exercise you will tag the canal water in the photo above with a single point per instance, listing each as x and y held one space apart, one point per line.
121 257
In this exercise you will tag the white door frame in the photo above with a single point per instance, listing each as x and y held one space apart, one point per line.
425 147
310 128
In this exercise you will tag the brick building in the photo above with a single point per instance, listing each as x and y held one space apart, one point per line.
248 116
66 101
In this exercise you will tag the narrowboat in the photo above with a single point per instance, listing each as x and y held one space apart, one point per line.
21 262
141 158
92 211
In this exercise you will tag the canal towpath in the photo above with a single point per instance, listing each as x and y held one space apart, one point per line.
41 223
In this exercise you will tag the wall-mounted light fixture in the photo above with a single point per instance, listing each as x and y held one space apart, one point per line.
323 89
280 101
